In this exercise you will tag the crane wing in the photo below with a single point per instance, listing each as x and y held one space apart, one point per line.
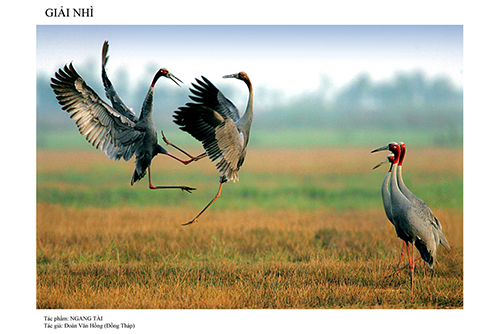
218 134
438 231
104 127
433 221
207 95
111 93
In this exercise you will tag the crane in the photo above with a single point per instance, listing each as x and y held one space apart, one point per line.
216 123
116 130
386 199
412 223
437 228
121 107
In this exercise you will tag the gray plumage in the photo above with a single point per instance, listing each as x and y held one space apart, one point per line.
111 93
436 226
386 199
114 130
386 195
414 225
215 122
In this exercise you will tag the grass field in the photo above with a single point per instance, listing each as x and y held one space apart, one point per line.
304 228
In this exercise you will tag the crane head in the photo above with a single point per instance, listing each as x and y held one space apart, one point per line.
163 72
240 76
389 159
393 147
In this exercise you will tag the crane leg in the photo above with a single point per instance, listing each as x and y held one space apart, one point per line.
185 162
402 254
213 200
406 265
398 269
412 263
151 186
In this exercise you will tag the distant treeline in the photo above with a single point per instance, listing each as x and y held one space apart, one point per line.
408 100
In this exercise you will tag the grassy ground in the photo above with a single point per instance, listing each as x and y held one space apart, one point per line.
304 228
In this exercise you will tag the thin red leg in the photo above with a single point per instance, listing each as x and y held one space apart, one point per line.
406 265
412 264
398 269
196 218
402 254
151 186
185 162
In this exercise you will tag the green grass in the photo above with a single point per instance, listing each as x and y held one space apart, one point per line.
277 191
296 138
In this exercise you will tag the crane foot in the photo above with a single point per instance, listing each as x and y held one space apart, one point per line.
189 223
399 269
188 189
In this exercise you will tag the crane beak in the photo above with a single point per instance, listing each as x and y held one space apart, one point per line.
381 163
383 148
230 76
174 78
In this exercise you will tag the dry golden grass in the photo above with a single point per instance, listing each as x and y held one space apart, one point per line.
324 243
283 161
143 258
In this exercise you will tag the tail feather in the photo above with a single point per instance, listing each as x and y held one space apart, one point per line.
443 241
426 253
138 175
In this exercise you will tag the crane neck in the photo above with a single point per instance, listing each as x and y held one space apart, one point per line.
394 181
402 156
386 196
397 196
402 186
156 77
147 105
246 121
250 97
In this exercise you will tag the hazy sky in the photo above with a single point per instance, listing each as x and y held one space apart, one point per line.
290 58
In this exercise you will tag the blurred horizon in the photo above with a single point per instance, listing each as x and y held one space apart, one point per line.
374 80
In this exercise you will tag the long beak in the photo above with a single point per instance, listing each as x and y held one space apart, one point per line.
231 76
174 78
381 163
383 148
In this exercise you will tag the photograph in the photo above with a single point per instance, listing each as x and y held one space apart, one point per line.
193 173
232 173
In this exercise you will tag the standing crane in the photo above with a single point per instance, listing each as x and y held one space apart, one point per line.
216 123
412 224
437 228
386 199
116 130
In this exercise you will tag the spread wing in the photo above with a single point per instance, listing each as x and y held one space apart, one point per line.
111 93
207 95
218 134
104 127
